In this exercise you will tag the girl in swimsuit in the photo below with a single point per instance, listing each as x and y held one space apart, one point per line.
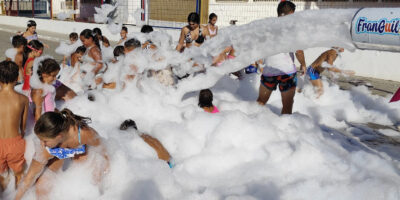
62 135
43 92
194 32
212 28
30 33
205 101
33 50
93 53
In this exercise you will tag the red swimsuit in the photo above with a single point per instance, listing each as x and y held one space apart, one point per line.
27 77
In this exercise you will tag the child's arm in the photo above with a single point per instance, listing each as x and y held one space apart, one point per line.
24 116
91 138
162 153
181 40
96 55
33 173
302 61
37 99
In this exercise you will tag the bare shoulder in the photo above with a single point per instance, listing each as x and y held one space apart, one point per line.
90 136
23 98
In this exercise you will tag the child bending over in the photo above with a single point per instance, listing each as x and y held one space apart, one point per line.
314 70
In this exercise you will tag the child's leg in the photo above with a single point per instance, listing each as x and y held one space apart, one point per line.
4 179
318 85
160 149
263 95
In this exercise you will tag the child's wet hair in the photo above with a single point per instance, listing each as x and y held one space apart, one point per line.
9 72
205 98
118 51
18 41
87 33
193 17
51 124
211 16
31 23
80 49
132 43
73 36
146 29
285 7
128 123
47 66
124 28
33 44
105 41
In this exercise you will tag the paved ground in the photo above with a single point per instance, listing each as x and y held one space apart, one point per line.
377 86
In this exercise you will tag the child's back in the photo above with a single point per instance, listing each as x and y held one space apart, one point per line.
13 113
13 108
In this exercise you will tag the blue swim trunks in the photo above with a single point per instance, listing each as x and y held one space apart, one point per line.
313 74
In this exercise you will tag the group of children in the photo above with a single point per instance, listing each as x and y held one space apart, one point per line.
29 84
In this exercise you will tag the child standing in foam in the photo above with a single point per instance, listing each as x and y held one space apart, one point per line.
212 28
16 54
205 101
33 50
13 112
43 92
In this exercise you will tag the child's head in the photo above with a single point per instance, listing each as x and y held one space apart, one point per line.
31 26
212 19
285 8
119 51
73 37
146 29
80 51
124 32
9 72
19 42
88 38
205 98
51 126
131 44
34 47
193 20
48 70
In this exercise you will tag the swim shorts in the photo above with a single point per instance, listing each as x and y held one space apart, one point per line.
312 73
285 82
12 154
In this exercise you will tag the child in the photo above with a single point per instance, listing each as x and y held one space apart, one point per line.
162 153
314 70
205 101
14 112
33 50
43 92
77 55
112 75
73 37
124 35
62 135
16 54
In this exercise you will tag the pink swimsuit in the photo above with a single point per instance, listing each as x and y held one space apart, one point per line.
215 110
49 104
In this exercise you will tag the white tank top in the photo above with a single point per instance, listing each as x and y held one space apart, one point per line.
279 64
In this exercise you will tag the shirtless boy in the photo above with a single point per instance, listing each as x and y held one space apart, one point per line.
13 112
